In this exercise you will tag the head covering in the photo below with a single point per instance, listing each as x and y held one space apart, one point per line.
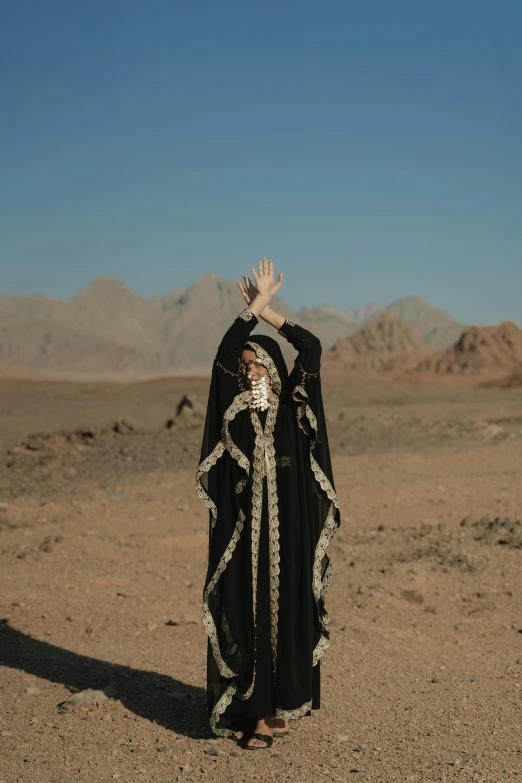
269 352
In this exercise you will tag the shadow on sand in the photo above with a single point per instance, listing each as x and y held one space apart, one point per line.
158 698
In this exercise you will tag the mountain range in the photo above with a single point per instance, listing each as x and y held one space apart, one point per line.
108 329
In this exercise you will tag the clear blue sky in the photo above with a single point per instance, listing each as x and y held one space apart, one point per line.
372 148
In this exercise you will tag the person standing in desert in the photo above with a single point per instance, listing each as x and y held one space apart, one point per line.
265 475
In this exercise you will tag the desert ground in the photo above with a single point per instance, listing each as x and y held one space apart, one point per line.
103 546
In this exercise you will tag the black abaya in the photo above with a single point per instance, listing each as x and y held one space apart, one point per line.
267 481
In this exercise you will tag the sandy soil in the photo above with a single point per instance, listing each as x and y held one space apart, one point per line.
102 562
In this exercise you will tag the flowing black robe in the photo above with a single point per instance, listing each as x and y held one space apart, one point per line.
266 478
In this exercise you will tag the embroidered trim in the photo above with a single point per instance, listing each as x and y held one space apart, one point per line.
283 462
219 709
289 322
319 585
269 364
294 714
246 314
323 482
240 402
208 620
266 464
204 467
320 648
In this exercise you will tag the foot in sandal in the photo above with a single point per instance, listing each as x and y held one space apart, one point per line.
264 732
279 726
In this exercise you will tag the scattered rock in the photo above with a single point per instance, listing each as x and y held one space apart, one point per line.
47 544
88 698
125 426
180 620
185 406
414 596
504 531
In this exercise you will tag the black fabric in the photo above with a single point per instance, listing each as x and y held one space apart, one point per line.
307 508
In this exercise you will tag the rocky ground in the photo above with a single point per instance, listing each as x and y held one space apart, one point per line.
103 548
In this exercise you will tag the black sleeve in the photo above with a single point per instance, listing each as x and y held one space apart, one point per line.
307 345
231 346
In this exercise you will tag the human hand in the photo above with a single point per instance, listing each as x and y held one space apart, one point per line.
265 284
248 291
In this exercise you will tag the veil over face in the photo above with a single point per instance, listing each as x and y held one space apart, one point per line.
267 481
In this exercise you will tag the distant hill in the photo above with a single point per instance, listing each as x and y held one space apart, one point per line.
493 350
41 344
327 326
385 344
352 315
109 329
434 325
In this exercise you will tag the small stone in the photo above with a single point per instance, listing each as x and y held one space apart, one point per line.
32 690
235 753
180 620
343 737
152 626
210 750
361 748
435 679
414 596
86 698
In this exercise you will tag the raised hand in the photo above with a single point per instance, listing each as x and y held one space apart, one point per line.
258 295
264 278
249 291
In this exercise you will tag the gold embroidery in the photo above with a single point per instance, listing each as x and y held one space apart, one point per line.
320 647
246 314
239 403
269 364
323 482
330 526
210 626
219 709
267 464
204 467
294 714
283 462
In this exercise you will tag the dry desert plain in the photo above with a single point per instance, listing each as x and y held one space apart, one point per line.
103 547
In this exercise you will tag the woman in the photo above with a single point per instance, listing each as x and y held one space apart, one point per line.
266 477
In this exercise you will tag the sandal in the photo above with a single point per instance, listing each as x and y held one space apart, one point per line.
263 737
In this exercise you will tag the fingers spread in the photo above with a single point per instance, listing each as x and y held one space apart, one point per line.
254 272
